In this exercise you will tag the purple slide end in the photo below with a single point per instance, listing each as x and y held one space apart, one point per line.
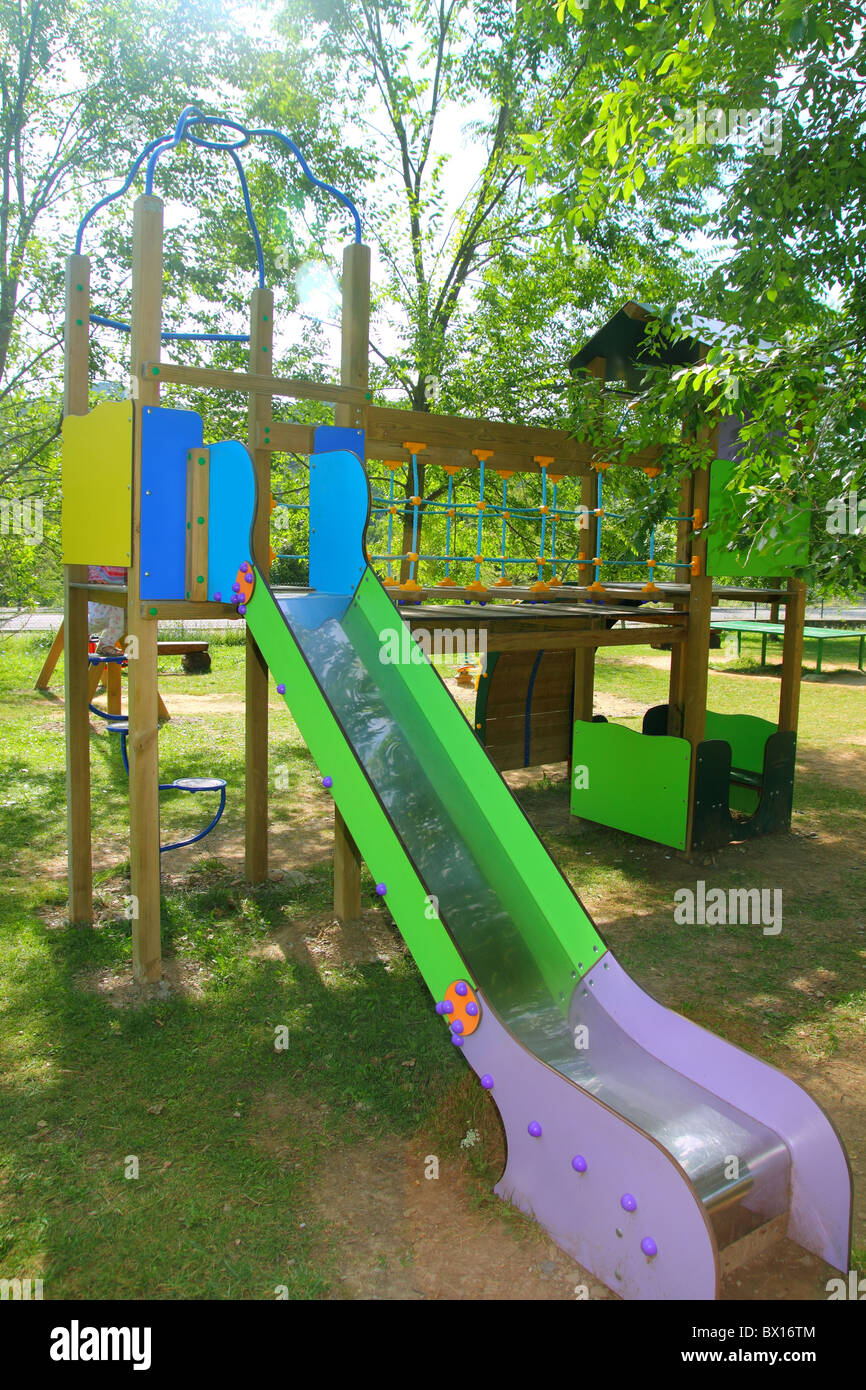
582 1210
820 1209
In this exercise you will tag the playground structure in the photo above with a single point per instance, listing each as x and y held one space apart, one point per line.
620 1116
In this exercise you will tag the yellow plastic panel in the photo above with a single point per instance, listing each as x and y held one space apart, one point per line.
97 486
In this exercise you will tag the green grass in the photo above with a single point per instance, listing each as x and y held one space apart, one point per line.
226 1129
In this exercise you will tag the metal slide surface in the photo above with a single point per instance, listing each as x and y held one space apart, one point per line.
520 931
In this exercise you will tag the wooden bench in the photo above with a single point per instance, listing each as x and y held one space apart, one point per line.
196 657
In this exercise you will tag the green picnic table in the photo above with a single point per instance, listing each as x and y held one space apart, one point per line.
820 634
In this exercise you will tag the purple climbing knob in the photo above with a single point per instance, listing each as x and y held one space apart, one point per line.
487 1081
381 889
472 1009
281 689
627 1202
217 598
442 1006
461 988
236 588
242 608
649 1247
327 782
456 1039
447 1006
534 1128
579 1163
245 568
457 1026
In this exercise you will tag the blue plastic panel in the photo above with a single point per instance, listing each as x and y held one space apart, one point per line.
166 437
232 503
339 507
330 437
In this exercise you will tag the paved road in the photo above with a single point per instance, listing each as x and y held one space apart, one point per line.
13 621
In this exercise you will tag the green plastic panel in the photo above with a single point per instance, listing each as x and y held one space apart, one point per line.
435 954
634 781
787 554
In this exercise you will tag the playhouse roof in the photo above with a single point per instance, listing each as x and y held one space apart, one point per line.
628 352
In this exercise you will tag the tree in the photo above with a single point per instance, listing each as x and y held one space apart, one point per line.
750 117
434 87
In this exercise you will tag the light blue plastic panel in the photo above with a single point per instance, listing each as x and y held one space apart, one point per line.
232 504
166 437
339 508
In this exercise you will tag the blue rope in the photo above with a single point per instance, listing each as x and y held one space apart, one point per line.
189 117
167 334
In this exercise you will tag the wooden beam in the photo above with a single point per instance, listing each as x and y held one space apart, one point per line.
250 383
43 680
197 511
792 656
605 637
142 670
256 677
179 610
76 383
279 436
388 428
354 375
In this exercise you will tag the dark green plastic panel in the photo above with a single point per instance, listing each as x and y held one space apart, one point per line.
747 735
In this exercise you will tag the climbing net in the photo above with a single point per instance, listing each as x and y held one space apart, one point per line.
492 528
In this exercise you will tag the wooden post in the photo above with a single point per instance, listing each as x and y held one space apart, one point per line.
354 372
792 656
256 687
143 630
584 657
677 684
197 503
113 685
76 375
698 638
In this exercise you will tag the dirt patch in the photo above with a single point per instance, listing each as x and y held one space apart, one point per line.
180 978
402 1235
320 940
